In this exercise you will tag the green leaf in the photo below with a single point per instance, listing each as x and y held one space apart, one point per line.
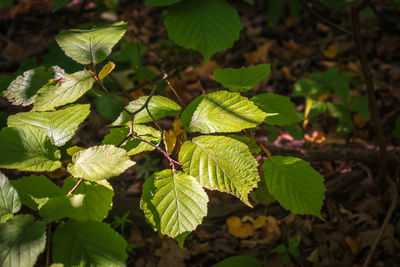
91 46
239 261
221 111
295 184
273 103
9 199
161 2
132 52
307 87
60 125
77 243
243 79
253 147
158 106
317 108
133 146
71 88
295 131
31 188
173 202
220 163
359 104
251 2
208 26
274 10
90 201
22 90
345 125
99 162
21 241
27 149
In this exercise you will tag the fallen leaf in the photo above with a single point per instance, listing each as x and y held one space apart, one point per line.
288 75
171 254
271 228
331 51
313 257
259 55
353 243
239 229
317 137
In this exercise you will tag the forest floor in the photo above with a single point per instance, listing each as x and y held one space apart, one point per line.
355 207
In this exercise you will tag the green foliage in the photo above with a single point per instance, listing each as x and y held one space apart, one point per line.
158 106
243 79
9 199
173 202
290 251
99 162
91 46
78 243
295 184
121 221
21 241
397 128
221 111
59 4
220 25
275 9
220 163
238 261
161 2
271 103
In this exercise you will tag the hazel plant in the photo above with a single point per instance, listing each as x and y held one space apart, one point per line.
174 200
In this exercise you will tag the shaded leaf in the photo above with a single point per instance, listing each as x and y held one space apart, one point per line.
220 163
91 46
22 90
158 106
295 184
239 261
161 2
9 199
174 203
88 243
221 111
99 162
21 241
273 103
133 146
71 88
207 26
31 188
60 125
27 149
243 79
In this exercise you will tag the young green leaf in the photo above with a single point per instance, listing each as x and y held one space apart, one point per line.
173 202
71 88
60 125
27 149
91 46
31 188
295 184
158 106
22 90
243 79
237 261
133 146
207 26
21 241
273 103
59 4
88 243
99 162
221 111
359 104
9 199
220 163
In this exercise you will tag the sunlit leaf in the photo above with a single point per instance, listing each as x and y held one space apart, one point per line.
9 199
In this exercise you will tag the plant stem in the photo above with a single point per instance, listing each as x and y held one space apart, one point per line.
48 245
75 186
367 73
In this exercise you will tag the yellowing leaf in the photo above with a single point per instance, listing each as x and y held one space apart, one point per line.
271 227
239 229
73 149
169 139
307 109
260 222
107 69
178 128
332 51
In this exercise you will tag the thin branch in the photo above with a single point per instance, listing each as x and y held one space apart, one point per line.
373 106
48 245
324 19
75 187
